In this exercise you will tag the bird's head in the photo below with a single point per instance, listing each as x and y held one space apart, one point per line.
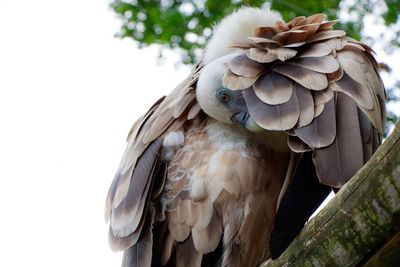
219 102
215 99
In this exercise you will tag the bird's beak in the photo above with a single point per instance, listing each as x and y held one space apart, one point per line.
244 119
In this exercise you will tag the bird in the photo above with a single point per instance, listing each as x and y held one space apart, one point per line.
227 168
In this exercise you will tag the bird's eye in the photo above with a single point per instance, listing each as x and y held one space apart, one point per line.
224 97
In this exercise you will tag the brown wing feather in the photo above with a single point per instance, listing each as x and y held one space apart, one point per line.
126 217
131 190
137 126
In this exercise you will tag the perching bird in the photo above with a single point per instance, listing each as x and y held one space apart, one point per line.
226 169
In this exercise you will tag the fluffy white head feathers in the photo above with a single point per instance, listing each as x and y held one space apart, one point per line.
235 29
209 81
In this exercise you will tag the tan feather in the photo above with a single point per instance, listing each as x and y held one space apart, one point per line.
157 127
198 190
310 30
261 55
186 102
265 43
283 53
206 240
317 50
179 232
243 45
194 111
316 18
281 26
241 65
296 21
163 117
205 210
183 211
326 35
323 96
294 45
273 88
361 69
354 45
327 25
307 78
326 64
265 32
134 131
336 76
235 82
355 90
288 37
355 65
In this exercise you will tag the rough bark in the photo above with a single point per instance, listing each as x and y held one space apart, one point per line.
361 225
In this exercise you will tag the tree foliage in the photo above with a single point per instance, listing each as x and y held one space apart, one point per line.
186 25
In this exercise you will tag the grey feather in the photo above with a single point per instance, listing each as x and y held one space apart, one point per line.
326 64
358 92
321 131
126 217
306 105
272 117
322 97
140 254
296 145
273 88
336 164
307 78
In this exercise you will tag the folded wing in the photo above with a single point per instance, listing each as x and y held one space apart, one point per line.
317 84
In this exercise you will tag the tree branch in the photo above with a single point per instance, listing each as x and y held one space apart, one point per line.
361 224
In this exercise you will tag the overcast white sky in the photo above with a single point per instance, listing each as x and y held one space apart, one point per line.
69 92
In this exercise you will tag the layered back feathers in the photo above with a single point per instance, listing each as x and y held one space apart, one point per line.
301 77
